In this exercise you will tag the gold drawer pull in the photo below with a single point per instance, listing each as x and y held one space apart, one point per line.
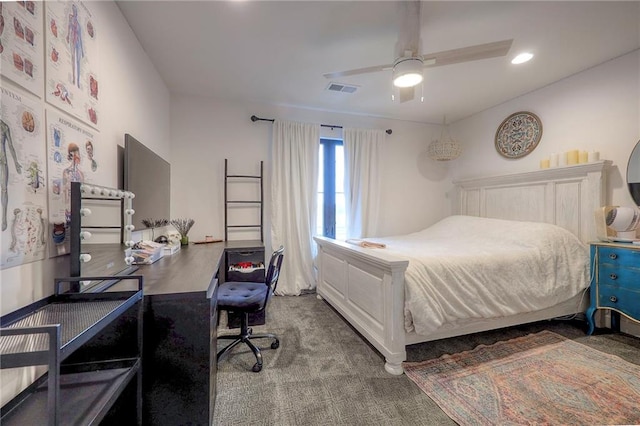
613 256
613 276
613 299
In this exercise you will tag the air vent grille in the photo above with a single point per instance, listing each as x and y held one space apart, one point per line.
339 87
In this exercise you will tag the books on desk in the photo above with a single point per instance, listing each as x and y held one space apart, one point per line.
365 243
147 252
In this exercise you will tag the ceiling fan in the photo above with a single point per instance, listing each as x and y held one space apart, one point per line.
409 64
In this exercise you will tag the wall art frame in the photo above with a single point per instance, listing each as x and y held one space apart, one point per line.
518 135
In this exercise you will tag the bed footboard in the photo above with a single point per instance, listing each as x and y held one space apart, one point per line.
367 287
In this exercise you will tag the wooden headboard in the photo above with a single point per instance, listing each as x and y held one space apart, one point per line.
565 196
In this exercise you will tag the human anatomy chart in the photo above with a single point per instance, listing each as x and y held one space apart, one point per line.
22 44
73 152
22 171
72 82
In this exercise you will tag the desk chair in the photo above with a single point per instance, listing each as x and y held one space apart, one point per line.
247 298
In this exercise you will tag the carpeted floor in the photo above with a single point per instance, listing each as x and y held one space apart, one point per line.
324 373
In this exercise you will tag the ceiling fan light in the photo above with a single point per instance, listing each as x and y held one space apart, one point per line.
407 72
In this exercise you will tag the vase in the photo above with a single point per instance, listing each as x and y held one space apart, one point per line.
184 241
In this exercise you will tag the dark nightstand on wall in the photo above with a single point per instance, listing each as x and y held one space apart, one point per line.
615 282
244 262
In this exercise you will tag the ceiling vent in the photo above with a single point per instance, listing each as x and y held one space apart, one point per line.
339 87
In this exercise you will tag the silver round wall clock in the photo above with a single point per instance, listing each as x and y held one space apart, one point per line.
518 134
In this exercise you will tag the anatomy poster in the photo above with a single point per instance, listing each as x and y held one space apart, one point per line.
21 44
22 171
71 56
73 156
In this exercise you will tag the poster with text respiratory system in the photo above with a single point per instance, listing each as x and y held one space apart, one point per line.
72 149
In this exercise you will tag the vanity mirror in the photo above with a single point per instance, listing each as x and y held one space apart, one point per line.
101 225
633 174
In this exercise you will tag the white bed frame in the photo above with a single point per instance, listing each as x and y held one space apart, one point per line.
367 285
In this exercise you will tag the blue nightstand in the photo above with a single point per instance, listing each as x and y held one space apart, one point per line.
615 282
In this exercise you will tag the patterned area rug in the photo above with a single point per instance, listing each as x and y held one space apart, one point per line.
539 379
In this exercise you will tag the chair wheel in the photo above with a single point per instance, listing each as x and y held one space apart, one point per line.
275 345
256 368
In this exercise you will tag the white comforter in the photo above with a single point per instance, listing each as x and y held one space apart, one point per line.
466 267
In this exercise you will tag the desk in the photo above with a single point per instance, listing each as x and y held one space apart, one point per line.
180 328
179 348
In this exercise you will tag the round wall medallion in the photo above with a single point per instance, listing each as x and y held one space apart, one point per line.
518 134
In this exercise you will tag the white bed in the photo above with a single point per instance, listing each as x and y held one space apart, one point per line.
368 285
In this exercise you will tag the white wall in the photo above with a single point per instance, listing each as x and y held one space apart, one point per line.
597 109
134 100
205 131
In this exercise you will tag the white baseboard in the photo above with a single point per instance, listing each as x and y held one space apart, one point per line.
630 327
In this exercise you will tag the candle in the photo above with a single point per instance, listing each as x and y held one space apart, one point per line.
544 163
563 159
583 157
593 156
553 160
572 157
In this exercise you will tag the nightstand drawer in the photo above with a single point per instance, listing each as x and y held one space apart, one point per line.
619 277
625 301
617 257
255 276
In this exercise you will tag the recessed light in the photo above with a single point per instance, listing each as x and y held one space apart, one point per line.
522 58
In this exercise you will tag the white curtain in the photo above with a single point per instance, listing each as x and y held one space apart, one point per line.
294 185
362 152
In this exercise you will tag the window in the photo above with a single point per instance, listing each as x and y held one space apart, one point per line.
332 219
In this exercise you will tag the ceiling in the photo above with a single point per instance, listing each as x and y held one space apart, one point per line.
278 51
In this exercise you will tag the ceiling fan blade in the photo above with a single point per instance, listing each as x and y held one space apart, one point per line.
470 53
358 71
406 94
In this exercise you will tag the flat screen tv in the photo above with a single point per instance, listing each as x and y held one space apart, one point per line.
148 176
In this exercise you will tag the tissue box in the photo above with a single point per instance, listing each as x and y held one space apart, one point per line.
147 252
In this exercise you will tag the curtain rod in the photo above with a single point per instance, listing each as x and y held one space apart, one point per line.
254 119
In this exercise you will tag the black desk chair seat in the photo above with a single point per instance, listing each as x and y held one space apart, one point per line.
247 298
